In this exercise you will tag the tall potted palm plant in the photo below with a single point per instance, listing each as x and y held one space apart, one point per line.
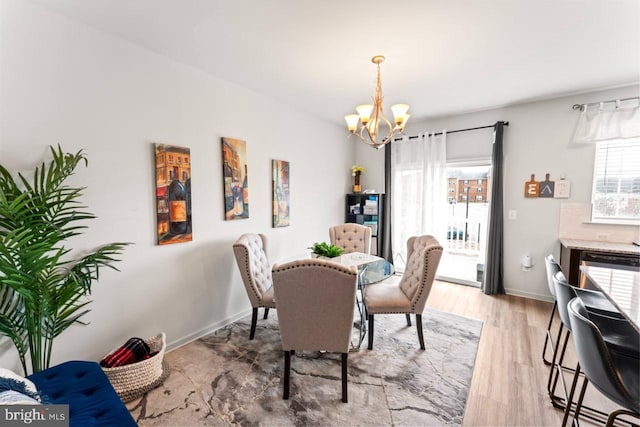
43 288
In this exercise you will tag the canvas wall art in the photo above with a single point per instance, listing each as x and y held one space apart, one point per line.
234 174
173 194
280 186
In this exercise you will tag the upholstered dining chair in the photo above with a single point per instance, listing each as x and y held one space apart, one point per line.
351 237
316 300
250 251
409 293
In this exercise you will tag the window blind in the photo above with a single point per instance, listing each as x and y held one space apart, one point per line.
616 180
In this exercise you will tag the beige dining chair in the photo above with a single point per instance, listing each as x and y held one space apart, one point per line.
407 294
316 300
351 237
250 251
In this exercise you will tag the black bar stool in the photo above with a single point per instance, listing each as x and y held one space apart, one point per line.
552 268
595 302
610 360
598 304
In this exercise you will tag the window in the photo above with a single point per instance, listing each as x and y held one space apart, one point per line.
479 182
479 189
451 190
616 181
479 198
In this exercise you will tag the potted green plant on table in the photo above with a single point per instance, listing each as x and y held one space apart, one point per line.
324 250
43 288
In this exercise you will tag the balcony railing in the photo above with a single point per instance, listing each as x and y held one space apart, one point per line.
465 237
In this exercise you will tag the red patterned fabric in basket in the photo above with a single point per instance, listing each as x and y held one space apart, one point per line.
133 380
134 350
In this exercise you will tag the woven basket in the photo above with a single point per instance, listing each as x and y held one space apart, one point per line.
134 380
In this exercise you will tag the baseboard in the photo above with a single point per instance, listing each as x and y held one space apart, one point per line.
530 295
205 331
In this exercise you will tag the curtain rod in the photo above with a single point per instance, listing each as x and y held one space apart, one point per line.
583 106
454 131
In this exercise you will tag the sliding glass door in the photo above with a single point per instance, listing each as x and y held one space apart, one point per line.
468 188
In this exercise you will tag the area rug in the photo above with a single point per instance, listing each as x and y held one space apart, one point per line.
225 379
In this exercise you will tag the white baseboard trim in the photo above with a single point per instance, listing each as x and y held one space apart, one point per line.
205 331
530 295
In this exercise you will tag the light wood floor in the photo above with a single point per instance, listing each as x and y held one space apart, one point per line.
509 380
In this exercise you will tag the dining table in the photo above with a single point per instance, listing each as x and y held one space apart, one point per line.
371 269
620 285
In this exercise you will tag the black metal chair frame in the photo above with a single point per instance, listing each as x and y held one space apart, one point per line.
592 414
556 373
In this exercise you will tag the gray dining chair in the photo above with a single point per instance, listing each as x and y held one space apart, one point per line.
612 369
551 267
250 251
316 300
408 294
351 237
597 303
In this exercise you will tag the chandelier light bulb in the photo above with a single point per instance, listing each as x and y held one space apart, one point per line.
352 122
364 111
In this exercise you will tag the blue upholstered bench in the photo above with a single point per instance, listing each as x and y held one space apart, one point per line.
86 389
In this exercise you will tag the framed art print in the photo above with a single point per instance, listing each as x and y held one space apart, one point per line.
280 186
173 194
236 181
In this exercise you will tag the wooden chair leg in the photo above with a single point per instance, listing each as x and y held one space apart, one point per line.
254 321
344 377
266 313
287 373
370 346
419 325
408 319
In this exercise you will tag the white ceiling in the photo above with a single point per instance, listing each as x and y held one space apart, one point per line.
443 57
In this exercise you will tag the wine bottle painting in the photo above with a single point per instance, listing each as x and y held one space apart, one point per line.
173 194
236 183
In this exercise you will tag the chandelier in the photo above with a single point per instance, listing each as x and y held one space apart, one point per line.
372 116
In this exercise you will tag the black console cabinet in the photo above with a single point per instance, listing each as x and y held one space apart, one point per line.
367 209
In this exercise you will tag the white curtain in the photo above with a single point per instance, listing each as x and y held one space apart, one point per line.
419 191
608 121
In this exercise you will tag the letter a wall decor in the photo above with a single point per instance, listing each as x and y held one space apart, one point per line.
547 189
173 194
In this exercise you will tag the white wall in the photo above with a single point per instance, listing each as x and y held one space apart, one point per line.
536 141
63 82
